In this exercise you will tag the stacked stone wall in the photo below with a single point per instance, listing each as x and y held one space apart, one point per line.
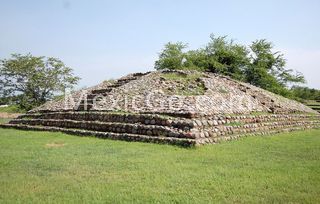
164 129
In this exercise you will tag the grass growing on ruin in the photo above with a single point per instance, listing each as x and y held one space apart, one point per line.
182 77
235 124
312 102
186 84
315 105
38 167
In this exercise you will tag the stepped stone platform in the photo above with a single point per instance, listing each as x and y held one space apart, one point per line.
174 107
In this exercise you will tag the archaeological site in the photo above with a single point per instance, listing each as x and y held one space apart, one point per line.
186 108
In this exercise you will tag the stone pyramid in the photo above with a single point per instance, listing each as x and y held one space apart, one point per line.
175 107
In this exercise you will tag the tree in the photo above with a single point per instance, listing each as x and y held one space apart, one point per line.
305 93
267 69
219 56
171 56
256 64
34 80
226 57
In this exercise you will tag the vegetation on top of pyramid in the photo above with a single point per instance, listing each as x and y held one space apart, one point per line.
184 84
256 64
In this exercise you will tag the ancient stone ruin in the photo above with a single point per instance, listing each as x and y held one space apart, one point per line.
175 107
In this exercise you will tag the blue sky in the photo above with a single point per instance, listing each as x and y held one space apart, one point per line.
108 39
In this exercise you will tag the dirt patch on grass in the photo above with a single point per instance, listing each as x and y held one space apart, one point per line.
9 115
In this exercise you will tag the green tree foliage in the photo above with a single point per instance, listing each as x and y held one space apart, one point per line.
226 57
267 69
305 93
256 64
33 80
8 100
171 56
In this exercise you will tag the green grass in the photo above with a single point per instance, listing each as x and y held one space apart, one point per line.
234 124
187 84
314 105
312 102
111 81
182 77
316 108
42 167
11 109
4 120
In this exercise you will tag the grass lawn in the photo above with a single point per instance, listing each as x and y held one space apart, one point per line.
37 167
4 120
11 109
7 113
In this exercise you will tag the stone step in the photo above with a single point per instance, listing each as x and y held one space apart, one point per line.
91 100
274 130
230 121
223 131
272 123
108 135
118 83
150 130
109 88
228 137
97 97
146 119
266 124
102 91
83 107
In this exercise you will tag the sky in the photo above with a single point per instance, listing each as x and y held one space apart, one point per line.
108 39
